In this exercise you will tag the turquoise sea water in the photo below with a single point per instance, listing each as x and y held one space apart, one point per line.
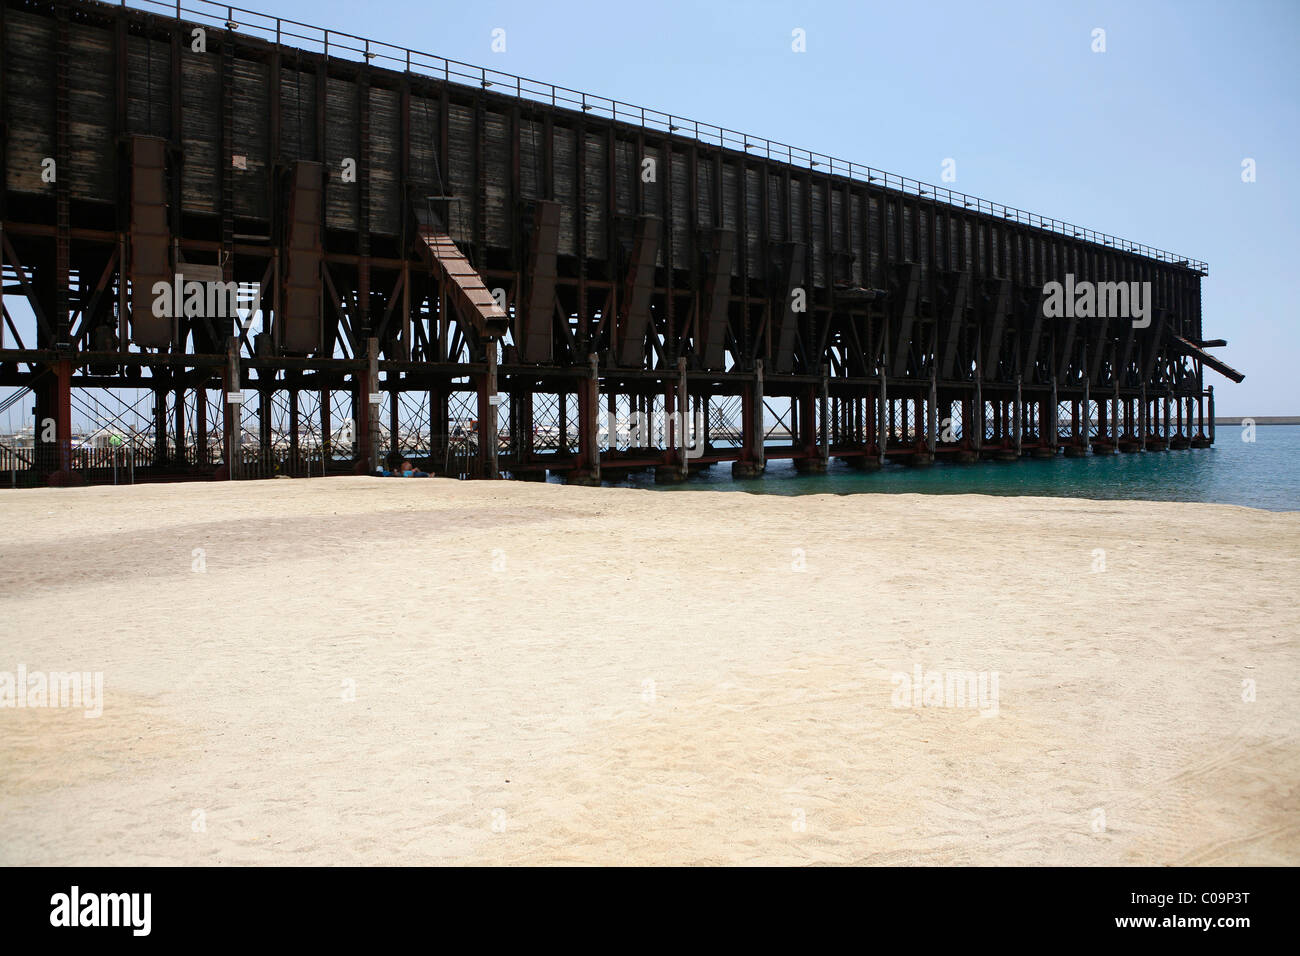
1260 474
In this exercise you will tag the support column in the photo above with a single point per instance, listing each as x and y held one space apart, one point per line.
367 411
181 457
1143 412
201 423
371 401
702 416
933 424
438 415
1087 415
684 403
611 419
326 434
752 462
809 458
232 419
587 471
264 427
670 424
1210 391
521 402
870 422
1114 404
677 412
588 426
372 397
159 426
394 420
1103 426
1020 418
511 389
357 436
62 413
488 403
293 431
886 410
1053 420
564 422
826 417
882 418
978 446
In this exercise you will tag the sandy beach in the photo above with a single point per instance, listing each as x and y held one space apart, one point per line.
358 670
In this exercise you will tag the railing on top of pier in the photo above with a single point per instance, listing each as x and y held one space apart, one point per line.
348 46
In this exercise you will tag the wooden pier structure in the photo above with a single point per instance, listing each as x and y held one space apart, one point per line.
494 276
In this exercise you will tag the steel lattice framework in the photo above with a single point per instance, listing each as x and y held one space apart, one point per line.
493 275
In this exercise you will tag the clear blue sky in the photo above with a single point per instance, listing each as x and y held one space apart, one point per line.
1143 141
